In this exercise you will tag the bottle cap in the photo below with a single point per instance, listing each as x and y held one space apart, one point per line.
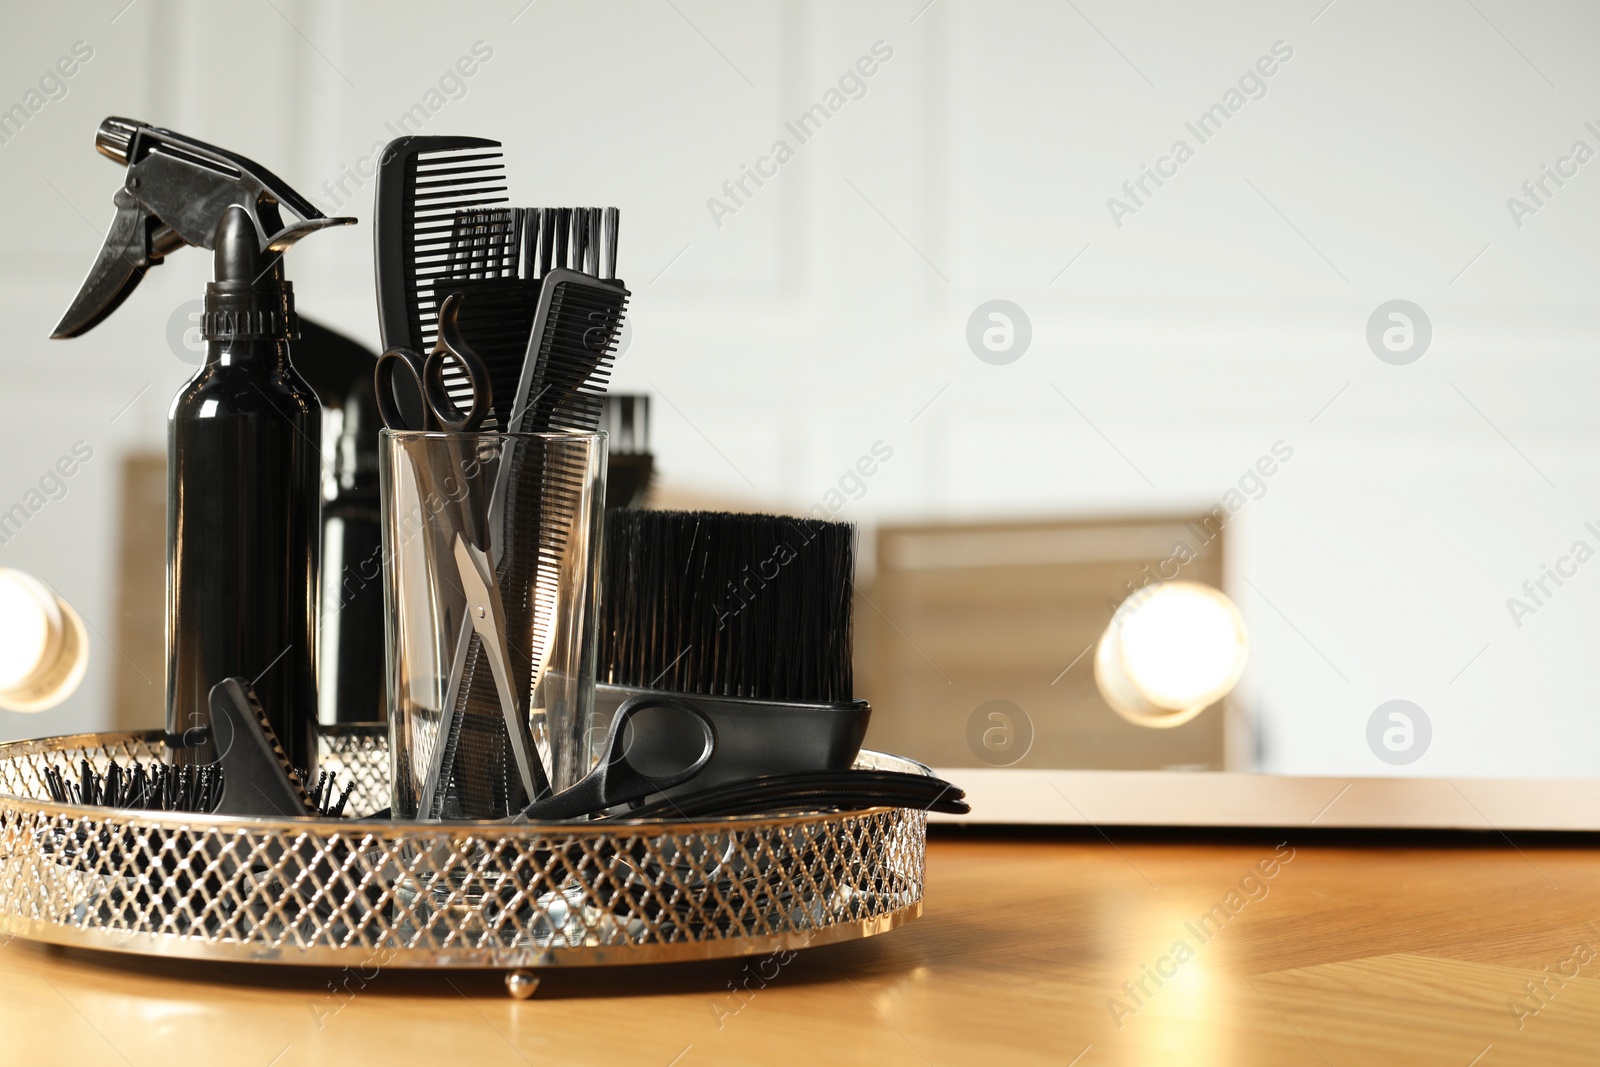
249 298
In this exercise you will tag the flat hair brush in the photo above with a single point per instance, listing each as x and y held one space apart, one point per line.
745 617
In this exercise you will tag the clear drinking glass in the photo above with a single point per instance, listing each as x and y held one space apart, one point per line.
491 544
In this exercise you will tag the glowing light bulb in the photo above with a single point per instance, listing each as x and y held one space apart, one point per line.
44 648
1171 651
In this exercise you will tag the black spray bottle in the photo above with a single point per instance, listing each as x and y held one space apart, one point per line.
243 494
242 437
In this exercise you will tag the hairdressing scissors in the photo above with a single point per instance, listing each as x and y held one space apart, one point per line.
411 387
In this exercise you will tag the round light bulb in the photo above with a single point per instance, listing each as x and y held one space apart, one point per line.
24 629
1171 651
44 648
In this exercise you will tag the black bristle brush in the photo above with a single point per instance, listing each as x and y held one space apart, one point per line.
746 617
148 785
142 785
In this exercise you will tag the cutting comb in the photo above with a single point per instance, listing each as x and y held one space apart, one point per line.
569 355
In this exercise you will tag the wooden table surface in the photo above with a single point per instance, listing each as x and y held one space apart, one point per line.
1322 950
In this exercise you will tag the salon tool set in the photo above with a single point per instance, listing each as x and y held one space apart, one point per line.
613 734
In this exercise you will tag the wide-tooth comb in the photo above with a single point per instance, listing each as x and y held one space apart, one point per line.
561 236
484 243
423 185
496 315
610 222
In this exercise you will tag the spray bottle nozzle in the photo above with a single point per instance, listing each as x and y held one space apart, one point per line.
114 138
175 192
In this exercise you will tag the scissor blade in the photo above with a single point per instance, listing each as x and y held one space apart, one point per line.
488 618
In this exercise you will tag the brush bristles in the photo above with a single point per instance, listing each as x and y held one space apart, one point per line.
625 417
755 606
152 786
147 787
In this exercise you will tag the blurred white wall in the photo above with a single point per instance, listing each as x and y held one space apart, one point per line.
829 309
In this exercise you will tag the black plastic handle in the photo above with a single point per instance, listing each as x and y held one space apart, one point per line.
452 345
617 780
412 392
397 380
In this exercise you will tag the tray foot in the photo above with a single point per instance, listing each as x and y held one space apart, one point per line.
522 983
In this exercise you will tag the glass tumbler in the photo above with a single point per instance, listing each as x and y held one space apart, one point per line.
490 544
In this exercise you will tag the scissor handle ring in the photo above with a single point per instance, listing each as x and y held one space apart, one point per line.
617 749
449 416
389 407
451 345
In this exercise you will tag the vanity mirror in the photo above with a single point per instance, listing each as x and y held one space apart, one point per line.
1034 293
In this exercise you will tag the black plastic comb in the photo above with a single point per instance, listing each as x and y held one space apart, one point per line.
569 353
808 792
425 187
